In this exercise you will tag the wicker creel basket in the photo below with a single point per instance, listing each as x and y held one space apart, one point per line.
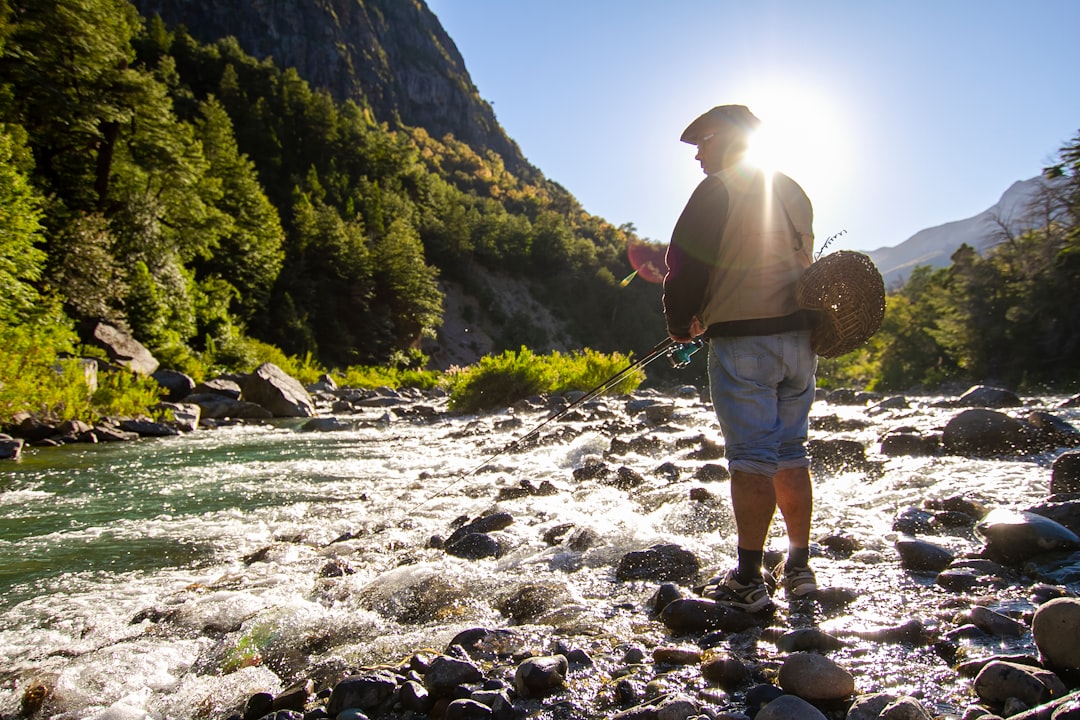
847 294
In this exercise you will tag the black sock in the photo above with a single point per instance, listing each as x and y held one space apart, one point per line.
749 567
797 557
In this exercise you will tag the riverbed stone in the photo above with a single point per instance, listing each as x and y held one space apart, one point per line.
1012 536
694 615
539 676
999 680
987 396
1065 473
789 707
1056 431
995 623
898 444
1056 627
446 673
984 433
10 447
366 692
277 391
920 555
728 672
177 385
661 562
815 677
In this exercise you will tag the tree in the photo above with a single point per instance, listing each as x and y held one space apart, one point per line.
21 260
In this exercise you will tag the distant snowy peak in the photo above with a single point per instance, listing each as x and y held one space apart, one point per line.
935 246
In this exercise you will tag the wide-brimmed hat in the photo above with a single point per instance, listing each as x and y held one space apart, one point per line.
847 295
737 118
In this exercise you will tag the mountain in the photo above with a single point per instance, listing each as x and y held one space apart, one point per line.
390 55
935 246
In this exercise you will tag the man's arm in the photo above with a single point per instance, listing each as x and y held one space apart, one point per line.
690 257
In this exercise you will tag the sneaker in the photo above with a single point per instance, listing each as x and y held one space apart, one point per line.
752 596
798 581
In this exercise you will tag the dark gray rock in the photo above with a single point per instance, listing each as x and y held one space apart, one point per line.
984 396
988 433
695 615
281 394
1013 537
664 562
1065 473
120 347
177 385
920 555
539 676
368 692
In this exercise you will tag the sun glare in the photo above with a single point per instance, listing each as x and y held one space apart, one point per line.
801 134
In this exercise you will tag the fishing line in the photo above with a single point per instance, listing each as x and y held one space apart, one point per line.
677 353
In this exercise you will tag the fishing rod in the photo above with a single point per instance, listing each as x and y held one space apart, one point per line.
677 353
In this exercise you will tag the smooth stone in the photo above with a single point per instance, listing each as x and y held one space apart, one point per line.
727 672
1012 537
362 692
789 707
815 677
995 623
447 672
1065 473
808 639
998 681
662 562
920 555
467 709
1056 629
539 676
691 615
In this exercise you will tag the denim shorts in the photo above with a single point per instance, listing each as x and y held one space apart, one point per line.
762 387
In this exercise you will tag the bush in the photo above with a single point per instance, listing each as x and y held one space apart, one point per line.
367 376
500 380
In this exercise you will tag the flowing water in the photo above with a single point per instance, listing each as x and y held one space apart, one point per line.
172 578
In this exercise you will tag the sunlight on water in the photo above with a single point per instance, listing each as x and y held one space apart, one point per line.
176 577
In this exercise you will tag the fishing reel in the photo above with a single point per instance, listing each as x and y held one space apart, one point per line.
679 353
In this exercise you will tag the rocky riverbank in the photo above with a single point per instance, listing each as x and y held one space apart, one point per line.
690 657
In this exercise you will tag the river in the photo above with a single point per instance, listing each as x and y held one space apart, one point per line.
173 577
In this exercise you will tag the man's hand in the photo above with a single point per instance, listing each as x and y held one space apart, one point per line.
695 331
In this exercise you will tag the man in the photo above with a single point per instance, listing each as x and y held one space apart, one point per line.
735 255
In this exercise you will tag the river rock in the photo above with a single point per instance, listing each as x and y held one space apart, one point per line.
327 424
1065 473
919 555
905 708
988 433
218 407
120 347
995 623
226 386
808 639
1056 431
694 615
466 709
185 415
998 681
985 396
1015 536
727 672
837 454
10 447
869 707
368 692
177 385
446 673
1056 628
789 707
539 676
815 677
896 444
147 428
662 562
278 392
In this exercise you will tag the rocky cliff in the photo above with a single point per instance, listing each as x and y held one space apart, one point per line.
392 55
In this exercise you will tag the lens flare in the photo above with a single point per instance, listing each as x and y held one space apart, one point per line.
648 262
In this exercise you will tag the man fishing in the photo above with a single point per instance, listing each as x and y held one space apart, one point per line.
736 252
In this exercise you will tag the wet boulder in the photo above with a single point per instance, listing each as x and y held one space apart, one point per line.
1056 627
695 615
919 555
446 673
999 680
368 692
10 447
985 396
908 443
662 562
281 394
1013 537
1065 473
217 407
538 676
815 677
1055 431
988 433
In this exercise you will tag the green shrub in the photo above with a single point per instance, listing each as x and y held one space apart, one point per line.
365 376
501 380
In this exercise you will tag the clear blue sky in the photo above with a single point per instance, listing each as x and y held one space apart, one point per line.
895 116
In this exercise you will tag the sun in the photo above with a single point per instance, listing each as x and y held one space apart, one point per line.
802 134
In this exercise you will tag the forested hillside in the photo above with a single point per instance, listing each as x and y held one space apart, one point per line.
207 200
